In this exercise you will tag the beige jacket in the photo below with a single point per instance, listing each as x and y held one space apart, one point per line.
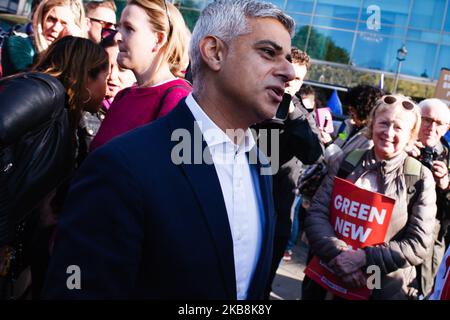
409 234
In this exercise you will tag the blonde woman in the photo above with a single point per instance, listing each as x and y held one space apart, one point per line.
393 125
52 20
153 41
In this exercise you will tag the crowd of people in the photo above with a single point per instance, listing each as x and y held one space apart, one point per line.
186 166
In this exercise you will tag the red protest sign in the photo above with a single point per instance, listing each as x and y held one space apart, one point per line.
441 289
360 218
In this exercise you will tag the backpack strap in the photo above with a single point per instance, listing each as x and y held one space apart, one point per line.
350 162
412 169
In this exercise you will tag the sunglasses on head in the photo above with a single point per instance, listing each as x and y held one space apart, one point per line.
408 105
108 34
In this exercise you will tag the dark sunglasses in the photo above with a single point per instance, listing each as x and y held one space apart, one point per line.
108 34
105 24
408 105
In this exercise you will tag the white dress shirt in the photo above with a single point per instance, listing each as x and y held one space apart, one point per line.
239 194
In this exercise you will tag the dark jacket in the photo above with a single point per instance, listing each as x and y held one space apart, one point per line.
139 226
18 54
299 144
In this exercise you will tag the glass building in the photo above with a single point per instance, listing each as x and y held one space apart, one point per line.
366 34
20 7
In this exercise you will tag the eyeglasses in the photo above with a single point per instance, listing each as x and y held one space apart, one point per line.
105 24
427 121
108 34
408 105
168 18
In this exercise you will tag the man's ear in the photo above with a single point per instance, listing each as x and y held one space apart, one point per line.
213 51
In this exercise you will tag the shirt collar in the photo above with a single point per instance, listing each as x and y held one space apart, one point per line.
212 134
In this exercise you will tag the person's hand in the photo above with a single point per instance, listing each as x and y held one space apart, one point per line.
414 150
347 262
440 173
356 279
325 137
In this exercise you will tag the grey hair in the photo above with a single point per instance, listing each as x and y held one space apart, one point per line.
432 101
444 110
227 19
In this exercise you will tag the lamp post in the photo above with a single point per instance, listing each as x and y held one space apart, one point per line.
401 56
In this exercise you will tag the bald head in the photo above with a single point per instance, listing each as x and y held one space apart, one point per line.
435 121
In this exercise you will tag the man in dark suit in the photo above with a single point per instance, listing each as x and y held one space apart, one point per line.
150 215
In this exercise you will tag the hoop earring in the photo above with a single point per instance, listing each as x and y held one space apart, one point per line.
89 99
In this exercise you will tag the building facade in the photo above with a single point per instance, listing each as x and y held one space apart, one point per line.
365 35
20 7
354 40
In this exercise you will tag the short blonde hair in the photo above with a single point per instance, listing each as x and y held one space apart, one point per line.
41 13
381 106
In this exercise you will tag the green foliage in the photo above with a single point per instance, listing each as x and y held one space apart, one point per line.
349 77
320 47
190 17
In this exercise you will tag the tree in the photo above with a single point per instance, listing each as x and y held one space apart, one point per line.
320 46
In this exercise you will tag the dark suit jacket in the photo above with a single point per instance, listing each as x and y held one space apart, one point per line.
139 226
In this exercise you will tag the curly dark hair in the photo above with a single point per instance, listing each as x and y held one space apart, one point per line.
300 57
306 90
362 99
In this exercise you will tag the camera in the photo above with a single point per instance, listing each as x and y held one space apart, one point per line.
427 156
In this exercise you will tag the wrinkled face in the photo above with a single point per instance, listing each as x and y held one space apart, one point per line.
58 23
256 70
97 90
435 124
392 131
137 40
118 78
99 18
295 85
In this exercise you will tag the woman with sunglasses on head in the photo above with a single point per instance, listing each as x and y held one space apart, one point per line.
385 168
153 39
360 101
52 20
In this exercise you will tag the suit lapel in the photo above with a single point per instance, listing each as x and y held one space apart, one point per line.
206 186
260 277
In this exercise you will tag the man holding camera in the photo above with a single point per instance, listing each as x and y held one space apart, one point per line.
433 151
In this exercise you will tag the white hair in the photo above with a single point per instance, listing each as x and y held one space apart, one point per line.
227 19
436 103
